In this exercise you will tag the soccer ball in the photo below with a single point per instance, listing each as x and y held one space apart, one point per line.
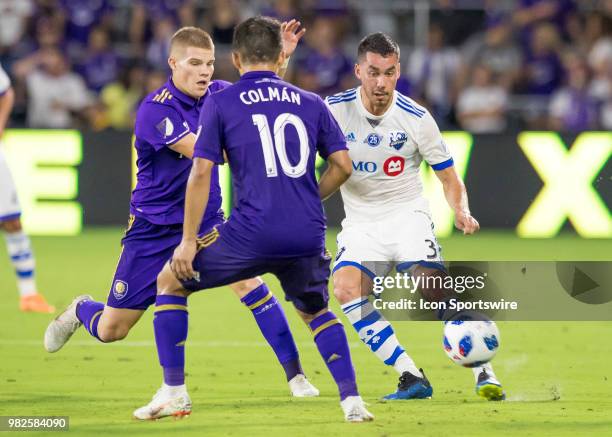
471 343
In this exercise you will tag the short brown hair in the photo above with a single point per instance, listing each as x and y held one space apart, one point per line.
258 40
379 43
191 37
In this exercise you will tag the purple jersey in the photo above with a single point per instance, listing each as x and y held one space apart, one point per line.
271 131
163 118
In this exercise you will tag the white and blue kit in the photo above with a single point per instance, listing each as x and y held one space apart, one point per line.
388 220
9 204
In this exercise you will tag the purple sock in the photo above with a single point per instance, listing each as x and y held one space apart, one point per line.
333 346
170 326
272 322
89 312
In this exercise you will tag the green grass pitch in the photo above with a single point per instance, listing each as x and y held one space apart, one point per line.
557 374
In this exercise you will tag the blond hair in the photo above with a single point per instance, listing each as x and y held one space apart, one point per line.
191 37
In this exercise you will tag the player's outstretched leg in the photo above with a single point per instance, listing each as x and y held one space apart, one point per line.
67 322
332 344
272 322
22 258
377 333
170 324
487 384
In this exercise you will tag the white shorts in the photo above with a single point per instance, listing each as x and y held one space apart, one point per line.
9 203
399 240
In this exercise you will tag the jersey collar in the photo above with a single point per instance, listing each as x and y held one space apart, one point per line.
181 95
259 75
363 111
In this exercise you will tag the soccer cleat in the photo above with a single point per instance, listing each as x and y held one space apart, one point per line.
35 303
302 388
63 326
355 410
165 404
489 388
411 387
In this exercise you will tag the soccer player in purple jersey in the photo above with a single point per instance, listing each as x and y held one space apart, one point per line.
165 129
270 131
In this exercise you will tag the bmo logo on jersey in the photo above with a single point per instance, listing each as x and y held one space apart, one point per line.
394 166
365 166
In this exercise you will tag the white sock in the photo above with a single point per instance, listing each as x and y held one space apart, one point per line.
377 333
174 390
488 367
20 252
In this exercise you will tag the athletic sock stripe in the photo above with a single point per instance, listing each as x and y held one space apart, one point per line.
93 319
351 307
394 356
170 307
261 301
370 319
21 256
325 326
23 274
378 340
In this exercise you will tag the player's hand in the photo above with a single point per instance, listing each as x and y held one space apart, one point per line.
466 223
290 37
182 260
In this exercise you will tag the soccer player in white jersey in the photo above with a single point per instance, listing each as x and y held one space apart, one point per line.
387 218
17 241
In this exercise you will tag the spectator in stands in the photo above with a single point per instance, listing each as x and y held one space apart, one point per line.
531 13
101 64
432 71
145 13
599 35
56 95
282 10
158 49
221 21
81 17
543 72
572 108
155 79
496 49
322 66
14 16
481 107
118 100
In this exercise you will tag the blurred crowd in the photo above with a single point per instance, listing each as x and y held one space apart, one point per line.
480 65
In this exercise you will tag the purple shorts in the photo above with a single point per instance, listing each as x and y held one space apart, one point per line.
146 248
303 279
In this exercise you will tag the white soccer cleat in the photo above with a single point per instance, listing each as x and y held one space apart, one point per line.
355 410
165 404
302 388
63 326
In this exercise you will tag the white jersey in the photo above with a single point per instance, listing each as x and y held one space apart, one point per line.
9 205
5 82
386 151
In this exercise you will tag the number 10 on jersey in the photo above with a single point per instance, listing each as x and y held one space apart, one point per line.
268 145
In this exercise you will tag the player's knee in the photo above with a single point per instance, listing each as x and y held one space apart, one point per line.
243 288
112 332
346 289
11 226
167 284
